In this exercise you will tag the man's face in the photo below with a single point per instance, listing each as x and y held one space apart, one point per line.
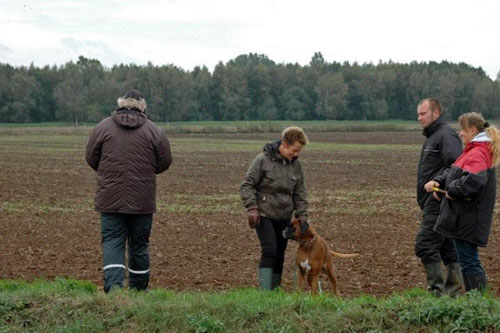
290 151
426 116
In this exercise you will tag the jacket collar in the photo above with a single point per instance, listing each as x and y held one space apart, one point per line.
481 137
272 149
428 131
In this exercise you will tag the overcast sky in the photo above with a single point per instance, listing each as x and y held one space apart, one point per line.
188 33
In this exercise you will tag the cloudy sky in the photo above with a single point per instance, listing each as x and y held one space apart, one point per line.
188 33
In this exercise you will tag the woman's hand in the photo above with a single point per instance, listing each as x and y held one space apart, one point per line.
430 185
253 216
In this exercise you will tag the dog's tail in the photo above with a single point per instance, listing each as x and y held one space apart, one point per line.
344 255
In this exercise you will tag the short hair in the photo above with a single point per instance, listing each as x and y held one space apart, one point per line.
293 134
433 104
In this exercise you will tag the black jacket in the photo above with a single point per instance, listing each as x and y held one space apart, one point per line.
439 151
472 182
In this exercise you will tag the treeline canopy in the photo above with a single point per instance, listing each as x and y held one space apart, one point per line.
249 87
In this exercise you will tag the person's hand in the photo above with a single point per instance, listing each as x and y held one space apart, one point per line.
253 216
428 186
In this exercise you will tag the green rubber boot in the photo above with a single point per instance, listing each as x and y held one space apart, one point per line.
265 278
454 280
435 281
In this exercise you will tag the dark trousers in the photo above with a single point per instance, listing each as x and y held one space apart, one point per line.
116 231
431 246
468 256
272 243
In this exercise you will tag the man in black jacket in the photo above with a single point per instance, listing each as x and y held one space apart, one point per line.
439 151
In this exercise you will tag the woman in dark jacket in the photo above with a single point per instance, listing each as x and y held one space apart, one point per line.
470 194
273 190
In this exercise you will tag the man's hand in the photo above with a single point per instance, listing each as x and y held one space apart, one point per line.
253 216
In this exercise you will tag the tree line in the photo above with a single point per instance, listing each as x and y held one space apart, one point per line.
249 87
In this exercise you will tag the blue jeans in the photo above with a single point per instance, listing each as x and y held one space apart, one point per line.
468 256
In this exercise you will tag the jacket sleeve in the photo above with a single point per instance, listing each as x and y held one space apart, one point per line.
252 178
94 148
441 179
300 197
451 148
472 179
162 152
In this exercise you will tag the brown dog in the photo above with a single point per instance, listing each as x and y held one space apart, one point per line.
313 255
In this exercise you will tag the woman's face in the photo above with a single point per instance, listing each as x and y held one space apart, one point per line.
467 134
290 151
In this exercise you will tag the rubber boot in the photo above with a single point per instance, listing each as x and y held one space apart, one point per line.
475 282
276 280
454 280
265 278
435 281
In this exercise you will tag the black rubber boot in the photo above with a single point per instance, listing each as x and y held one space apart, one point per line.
276 280
454 280
265 278
435 281
475 282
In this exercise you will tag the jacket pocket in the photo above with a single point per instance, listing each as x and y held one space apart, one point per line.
448 218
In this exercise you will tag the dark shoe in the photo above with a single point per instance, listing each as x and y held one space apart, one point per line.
454 280
265 278
276 280
112 288
475 281
435 281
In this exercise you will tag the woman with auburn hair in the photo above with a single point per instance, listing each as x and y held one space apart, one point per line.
469 187
273 190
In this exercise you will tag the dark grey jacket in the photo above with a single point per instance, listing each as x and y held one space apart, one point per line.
127 151
275 185
439 151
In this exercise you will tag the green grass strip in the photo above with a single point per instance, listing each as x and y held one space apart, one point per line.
66 305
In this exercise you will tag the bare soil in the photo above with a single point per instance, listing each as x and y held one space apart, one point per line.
362 199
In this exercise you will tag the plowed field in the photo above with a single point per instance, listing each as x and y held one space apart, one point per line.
361 191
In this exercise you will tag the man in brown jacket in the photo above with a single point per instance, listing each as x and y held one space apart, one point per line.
127 150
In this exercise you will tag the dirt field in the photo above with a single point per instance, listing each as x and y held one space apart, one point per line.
361 191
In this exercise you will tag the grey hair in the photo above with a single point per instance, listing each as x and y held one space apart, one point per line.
132 103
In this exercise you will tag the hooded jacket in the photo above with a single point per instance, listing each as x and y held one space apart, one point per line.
127 150
275 185
471 182
440 150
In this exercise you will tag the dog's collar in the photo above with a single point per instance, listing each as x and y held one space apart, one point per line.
306 241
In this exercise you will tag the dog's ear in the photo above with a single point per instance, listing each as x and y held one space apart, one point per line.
303 226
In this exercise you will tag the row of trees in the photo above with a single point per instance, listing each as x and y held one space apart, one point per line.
249 87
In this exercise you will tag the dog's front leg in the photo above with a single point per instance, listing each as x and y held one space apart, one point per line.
313 280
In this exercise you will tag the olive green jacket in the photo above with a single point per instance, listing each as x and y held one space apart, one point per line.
275 185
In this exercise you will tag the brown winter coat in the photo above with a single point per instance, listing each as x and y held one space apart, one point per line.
127 150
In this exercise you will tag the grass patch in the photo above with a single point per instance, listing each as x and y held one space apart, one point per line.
78 306
215 127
